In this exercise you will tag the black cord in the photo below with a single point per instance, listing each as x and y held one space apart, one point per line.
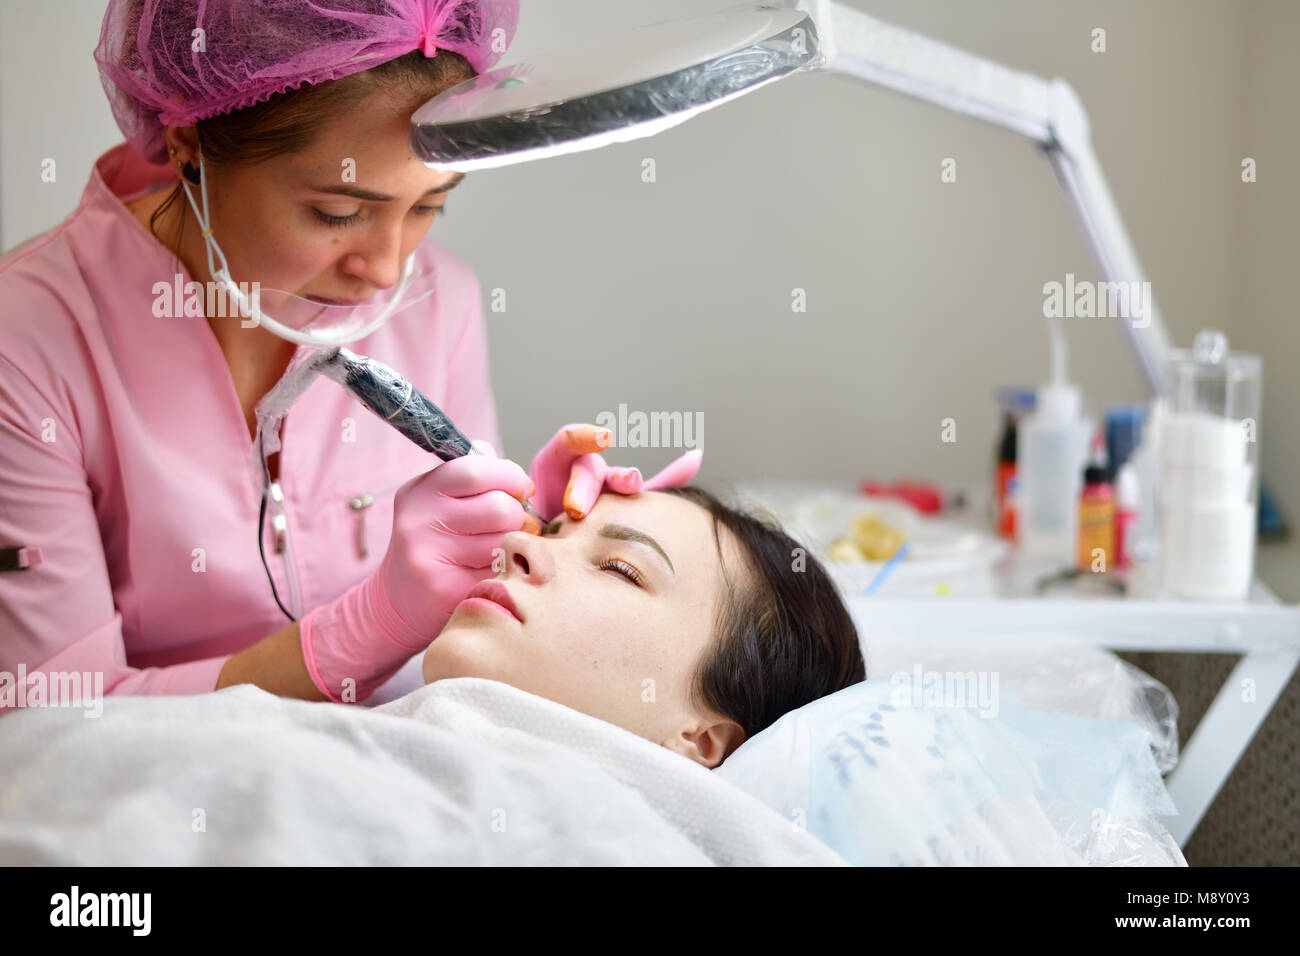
261 525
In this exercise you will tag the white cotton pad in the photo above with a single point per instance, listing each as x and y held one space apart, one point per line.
1195 439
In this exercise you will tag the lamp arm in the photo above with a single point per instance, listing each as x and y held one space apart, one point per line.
1047 112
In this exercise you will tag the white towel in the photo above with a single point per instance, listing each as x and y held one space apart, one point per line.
463 771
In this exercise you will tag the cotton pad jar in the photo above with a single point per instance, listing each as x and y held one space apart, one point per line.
1209 468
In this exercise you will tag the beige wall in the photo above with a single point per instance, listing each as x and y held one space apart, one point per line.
1269 244
51 107
922 296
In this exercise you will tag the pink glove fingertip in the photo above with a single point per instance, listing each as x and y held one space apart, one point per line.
586 479
677 473
624 481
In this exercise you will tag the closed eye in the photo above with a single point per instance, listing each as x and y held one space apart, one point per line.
337 220
341 221
623 568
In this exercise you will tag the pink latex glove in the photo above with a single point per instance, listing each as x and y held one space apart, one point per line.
446 525
570 474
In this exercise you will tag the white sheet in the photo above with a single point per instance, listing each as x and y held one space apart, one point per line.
444 775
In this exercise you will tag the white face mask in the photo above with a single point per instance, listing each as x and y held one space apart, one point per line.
298 319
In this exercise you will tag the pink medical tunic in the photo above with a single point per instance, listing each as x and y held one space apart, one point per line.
126 460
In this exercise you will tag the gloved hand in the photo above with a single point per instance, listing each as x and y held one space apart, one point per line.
446 525
570 474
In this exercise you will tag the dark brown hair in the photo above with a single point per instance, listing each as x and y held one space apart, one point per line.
783 637
288 122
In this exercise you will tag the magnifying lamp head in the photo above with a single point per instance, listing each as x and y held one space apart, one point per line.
619 88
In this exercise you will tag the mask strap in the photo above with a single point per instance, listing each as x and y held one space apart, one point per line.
209 242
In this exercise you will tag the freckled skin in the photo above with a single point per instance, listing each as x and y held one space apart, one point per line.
577 614
295 251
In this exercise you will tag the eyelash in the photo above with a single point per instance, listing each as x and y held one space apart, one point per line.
341 221
610 564
623 568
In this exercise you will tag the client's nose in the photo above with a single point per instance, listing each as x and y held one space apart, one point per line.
527 558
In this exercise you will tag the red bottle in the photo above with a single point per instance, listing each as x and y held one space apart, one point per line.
1006 471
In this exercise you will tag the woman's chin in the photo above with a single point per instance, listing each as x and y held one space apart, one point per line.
461 649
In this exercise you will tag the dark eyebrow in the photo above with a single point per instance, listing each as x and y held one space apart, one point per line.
356 192
621 532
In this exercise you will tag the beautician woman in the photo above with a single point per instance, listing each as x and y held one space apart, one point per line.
145 533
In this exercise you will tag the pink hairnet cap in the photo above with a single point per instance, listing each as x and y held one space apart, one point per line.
172 62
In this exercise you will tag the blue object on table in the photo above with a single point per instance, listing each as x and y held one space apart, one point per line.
884 572
1271 522
1123 433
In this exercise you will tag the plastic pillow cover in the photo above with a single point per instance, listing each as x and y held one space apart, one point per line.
885 776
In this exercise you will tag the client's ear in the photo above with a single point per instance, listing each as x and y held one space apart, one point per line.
709 741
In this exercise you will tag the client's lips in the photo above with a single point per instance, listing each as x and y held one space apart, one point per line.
495 592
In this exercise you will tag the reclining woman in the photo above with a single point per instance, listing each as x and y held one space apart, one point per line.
678 618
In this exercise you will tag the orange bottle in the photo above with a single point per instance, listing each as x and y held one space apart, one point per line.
1097 513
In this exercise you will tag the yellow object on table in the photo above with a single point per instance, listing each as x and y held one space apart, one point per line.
871 540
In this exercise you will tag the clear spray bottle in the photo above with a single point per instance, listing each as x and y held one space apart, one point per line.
1052 450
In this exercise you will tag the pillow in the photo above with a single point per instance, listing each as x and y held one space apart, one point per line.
1053 676
889 773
